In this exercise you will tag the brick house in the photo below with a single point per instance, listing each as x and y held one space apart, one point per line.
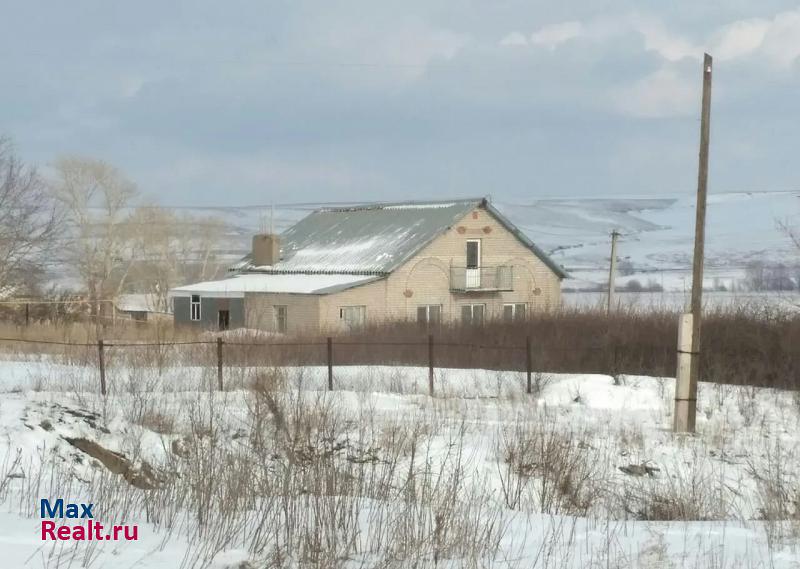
345 267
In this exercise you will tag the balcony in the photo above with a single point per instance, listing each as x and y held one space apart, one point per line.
484 279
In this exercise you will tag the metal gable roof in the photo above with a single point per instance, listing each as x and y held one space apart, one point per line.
375 239
370 239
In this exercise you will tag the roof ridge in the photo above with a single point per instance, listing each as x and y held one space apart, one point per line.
369 206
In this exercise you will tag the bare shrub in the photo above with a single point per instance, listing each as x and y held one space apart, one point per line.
693 493
777 490
550 464
158 422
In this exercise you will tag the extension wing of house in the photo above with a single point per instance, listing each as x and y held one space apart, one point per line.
341 268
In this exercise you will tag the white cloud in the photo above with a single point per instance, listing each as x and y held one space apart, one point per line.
554 35
776 40
663 93
657 38
782 39
739 39
514 38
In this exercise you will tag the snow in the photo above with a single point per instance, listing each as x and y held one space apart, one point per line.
364 239
236 287
137 302
618 421
679 301
658 232
420 206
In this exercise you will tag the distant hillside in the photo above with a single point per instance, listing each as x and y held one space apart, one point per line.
658 234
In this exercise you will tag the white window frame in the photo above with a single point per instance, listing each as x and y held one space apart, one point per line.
427 308
276 309
515 306
472 275
351 323
466 255
472 313
195 304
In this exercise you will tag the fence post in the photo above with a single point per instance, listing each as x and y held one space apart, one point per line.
430 364
219 363
102 361
528 364
330 363
27 314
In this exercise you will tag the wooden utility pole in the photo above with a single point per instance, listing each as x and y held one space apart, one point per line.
612 271
686 386
219 364
430 364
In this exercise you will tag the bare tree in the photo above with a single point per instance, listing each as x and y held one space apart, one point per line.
95 198
794 236
792 233
27 223
171 249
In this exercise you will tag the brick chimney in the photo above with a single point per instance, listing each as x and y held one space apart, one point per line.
266 250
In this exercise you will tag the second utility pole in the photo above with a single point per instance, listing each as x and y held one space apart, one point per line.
689 363
612 272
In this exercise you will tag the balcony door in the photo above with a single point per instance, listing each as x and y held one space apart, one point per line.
473 270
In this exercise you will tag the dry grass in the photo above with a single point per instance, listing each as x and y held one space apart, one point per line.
740 347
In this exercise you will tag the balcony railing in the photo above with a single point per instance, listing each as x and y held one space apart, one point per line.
496 278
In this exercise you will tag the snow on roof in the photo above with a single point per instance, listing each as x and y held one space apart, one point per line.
366 239
137 302
374 239
236 287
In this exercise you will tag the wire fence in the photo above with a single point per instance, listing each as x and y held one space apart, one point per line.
430 352
725 357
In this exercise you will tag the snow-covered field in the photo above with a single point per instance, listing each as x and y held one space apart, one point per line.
679 301
278 472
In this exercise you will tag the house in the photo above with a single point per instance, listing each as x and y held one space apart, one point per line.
340 268
141 307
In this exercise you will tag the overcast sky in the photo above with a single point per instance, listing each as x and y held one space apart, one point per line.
224 103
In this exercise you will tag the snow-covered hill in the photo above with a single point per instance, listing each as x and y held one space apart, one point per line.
658 234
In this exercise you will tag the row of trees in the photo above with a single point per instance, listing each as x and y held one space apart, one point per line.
764 276
87 219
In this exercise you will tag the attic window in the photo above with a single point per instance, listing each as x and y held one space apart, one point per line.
195 308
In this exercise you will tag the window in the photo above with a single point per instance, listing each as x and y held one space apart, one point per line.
514 312
195 307
473 253
353 317
280 315
473 313
429 314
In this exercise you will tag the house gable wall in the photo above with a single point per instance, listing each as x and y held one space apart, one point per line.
425 279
